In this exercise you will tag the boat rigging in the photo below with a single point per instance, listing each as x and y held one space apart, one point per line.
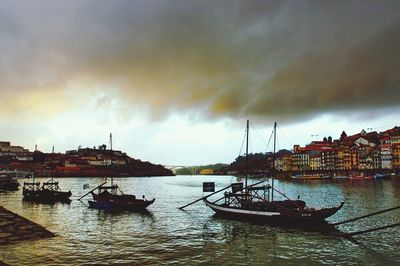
256 202
111 197
48 192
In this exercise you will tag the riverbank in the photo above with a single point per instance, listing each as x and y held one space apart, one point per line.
14 228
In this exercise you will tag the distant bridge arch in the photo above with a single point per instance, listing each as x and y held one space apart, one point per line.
173 168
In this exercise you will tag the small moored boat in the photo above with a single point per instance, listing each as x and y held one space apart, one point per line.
8 181
381 176
310 177
49 192
108 198
361 177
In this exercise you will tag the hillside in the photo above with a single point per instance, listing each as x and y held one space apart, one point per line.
90 162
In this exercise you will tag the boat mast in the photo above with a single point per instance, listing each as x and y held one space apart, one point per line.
34 166
247 153
110 141
34 170
273 164
112 178
52 165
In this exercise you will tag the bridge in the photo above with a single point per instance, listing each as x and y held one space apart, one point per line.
173 168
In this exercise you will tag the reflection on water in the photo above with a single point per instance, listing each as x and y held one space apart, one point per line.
167 235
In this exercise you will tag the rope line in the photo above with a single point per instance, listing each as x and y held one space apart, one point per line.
283 133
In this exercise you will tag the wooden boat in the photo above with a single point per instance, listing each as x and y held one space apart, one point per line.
361 177
340 177
381 176
108 198
275 213
49 192
8 181
310 177
256 203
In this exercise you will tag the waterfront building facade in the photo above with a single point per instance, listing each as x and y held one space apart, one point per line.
315 162
283 162
300 161
396 155
386 152
362 151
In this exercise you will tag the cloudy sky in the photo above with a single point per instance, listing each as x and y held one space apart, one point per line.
175 81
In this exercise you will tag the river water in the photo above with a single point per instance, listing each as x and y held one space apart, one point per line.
166 235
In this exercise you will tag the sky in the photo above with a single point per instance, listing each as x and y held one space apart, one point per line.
175 81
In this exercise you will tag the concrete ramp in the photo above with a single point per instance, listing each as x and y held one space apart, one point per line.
14 228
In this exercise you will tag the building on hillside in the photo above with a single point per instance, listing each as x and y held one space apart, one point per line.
119 161
89 158
328 159
339 159
395 135
342 158
283 162
370 138
364 142
206 171
365 157
300 161
96 162
7 149
386 152
4 144
107 160
319 145
354 157
296 148
25 156
315 162
376 159
346 157
396 155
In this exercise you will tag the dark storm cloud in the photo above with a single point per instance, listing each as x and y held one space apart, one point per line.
220 58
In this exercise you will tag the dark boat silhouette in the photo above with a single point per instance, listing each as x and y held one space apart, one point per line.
8 181
257 203
48 192
108 198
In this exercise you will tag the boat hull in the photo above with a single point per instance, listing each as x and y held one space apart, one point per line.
100 205
360 177
9 185
8 182
282 216
310 177
46 196
382 177
123 202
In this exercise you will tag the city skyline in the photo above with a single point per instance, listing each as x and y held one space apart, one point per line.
175 81
314 139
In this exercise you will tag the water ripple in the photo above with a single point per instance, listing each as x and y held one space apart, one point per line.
168 236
